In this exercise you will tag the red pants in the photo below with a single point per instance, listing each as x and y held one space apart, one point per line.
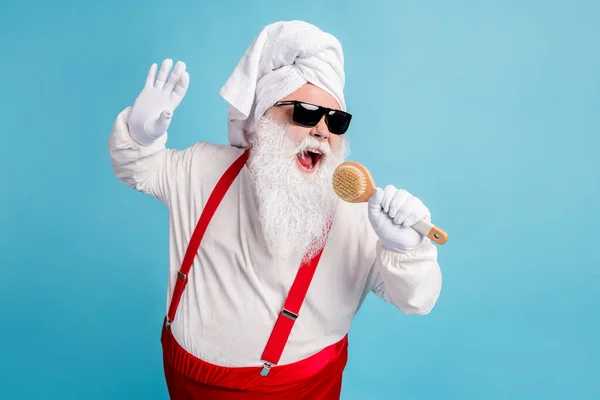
318 377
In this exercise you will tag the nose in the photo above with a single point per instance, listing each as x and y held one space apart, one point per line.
320 131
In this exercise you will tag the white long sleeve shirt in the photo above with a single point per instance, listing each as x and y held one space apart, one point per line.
235 289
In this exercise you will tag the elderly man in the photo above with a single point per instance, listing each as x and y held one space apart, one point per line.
267 266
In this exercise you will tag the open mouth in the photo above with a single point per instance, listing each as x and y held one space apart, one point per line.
308 159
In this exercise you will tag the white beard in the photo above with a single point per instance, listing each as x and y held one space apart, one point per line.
293 207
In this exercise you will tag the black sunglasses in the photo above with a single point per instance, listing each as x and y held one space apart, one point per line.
309 115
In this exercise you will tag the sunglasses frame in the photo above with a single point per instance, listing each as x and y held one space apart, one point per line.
325 112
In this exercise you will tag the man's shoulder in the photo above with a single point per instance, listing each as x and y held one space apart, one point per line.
354 215
218 148
208 152
354 228
207 158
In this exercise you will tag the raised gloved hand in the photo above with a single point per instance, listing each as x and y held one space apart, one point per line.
392 212
153 109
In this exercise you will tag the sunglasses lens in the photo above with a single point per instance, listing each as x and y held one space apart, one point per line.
307 114
338 122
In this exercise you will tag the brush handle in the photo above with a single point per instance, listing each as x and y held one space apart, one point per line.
431 231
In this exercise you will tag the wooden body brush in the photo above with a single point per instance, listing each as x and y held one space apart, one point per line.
352 182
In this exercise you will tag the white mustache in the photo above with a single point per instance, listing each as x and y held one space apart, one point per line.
309 143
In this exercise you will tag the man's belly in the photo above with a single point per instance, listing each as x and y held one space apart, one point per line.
225 332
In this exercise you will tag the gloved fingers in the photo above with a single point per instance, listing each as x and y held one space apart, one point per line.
403 212
151 75
155 127
416 212
398 205
174 77
163 73
163 121
181 87
375 201
389 192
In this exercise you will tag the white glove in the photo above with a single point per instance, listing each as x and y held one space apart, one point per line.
392 212
153 109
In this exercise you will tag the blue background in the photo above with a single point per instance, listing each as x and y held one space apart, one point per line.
487 111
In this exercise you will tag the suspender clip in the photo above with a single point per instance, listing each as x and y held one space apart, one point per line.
289 314
181 275
265 369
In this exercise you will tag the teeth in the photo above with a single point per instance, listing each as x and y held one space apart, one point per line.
316 151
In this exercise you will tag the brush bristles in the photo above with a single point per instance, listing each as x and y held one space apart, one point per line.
349 183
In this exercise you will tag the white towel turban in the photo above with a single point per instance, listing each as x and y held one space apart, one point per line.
285 56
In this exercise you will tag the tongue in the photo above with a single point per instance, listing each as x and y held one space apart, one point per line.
305 159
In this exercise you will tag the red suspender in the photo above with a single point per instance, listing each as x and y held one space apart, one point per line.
293 303
209 210
289 313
